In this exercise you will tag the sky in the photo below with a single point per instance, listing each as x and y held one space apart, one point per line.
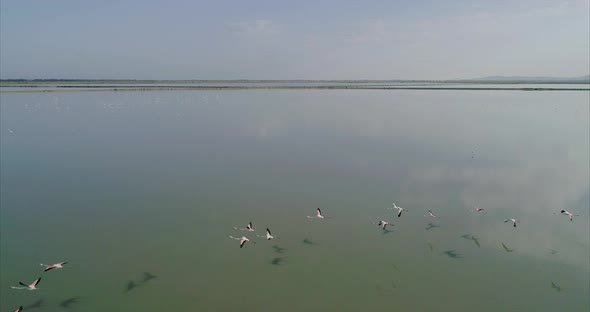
321 39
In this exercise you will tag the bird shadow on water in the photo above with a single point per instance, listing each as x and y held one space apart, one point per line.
473 238
130 286
386 231
555 286
453 254
506 248
35 305
278 261
431 226
145 278
308 241
278 249
69 302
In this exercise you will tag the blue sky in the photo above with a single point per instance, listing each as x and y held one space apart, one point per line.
293 40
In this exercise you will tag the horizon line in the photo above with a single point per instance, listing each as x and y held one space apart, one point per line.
488 78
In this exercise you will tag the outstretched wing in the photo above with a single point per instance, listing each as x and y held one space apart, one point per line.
36 282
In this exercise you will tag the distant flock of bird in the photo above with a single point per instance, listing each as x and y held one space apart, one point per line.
250 228
382 223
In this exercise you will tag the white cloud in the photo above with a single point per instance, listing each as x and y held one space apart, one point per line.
259 26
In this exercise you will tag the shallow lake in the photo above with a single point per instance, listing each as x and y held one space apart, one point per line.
140 191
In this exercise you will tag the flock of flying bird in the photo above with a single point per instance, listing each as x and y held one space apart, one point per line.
250 228
382 223
33 285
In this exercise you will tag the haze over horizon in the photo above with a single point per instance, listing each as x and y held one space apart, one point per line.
267 40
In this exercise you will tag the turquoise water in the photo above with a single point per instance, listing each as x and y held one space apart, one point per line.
123 183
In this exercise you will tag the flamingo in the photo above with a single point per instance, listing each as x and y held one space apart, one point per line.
249 228
268 235
242 240
514 221
32 286
430 214
399 210
384 224
318 214
58 265
569 214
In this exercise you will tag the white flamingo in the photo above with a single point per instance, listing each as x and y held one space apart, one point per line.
399 209
569 214
384 224
514 221
268 235
58 265
242 240
317 215
32 286
430 214
249 228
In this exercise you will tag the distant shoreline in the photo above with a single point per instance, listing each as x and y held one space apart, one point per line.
72 85
33 82
95 88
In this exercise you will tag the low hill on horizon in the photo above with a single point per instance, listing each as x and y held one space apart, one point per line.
585 78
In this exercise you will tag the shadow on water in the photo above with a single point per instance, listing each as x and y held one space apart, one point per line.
386 231
145 278
551 251
130 286
555 286
35 305
278 249
431 226
277 261
506 248
308 241
453 254
473 238
379 289
69 302
431 247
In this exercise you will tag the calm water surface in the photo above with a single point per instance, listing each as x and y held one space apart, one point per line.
126 183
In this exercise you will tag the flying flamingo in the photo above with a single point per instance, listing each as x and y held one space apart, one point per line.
318 214
58 265
399 210
268 235
32 286
514 221
242 240
249 228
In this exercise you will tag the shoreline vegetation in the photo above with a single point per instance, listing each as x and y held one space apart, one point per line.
74 85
